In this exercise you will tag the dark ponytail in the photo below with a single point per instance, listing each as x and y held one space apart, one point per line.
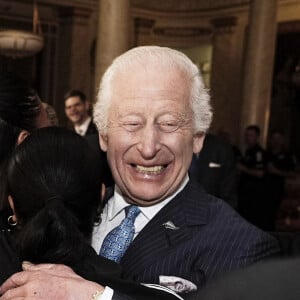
55 186
52 235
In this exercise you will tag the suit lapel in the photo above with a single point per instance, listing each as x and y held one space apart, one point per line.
159 238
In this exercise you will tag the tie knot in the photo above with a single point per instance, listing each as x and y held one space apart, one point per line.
132 211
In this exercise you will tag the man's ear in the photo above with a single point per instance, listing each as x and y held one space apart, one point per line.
12 206
103 142
198 142
22 136
87 105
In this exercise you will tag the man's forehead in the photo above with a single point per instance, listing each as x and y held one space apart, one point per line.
74 99
149 70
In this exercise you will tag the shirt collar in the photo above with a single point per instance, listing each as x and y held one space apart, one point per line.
117 203
82 128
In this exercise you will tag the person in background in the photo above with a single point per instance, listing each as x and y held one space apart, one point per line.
54 192
176 234
252 185
225 135
21 112
281 165
77 111
215 168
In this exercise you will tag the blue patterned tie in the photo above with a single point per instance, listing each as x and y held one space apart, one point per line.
118 240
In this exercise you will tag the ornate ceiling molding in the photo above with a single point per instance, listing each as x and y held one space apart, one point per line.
186 5
288 27
159 6
178 32
224 25
89 4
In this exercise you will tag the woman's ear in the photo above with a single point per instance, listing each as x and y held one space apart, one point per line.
12 206
22 136
102 191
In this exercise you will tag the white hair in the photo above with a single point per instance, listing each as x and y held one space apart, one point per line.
165 58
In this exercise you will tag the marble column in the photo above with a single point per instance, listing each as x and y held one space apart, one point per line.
73 56
114 30
225 76
258 67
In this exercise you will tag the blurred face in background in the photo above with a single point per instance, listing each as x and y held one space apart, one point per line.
251 138
76 110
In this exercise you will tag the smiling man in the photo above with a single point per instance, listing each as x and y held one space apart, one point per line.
77 111
152 114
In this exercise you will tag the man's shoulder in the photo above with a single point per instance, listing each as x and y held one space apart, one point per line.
221 217
92 129
195 194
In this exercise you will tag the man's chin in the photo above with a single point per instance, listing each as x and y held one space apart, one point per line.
143 200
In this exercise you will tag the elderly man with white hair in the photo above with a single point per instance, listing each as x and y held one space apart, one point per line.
152 113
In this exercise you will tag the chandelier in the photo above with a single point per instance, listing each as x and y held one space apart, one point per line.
21 43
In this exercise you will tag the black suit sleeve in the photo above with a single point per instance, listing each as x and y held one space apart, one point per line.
107 273
119 296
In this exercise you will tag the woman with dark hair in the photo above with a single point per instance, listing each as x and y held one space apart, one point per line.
54 191
21 112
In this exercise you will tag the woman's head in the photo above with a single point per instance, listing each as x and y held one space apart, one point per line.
20 105
54 185
21 112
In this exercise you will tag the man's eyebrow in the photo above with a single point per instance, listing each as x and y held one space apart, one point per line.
126 114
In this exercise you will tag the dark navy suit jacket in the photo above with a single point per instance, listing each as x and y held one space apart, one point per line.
219 180
210 239
92 129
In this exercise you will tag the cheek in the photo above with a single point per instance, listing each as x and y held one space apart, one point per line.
116 146
180 144
184 153
119 139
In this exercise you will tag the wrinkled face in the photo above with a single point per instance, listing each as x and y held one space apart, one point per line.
76 110
150 138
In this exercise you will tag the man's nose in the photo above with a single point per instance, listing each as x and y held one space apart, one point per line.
150 142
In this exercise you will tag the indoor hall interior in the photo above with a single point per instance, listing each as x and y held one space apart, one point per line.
248 52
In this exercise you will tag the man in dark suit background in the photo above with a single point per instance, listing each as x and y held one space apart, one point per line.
77 111
150 128
215 168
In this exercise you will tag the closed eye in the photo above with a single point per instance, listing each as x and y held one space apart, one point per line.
169 126
132 126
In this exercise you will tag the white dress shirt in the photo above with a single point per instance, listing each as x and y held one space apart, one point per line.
82 128
114 212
